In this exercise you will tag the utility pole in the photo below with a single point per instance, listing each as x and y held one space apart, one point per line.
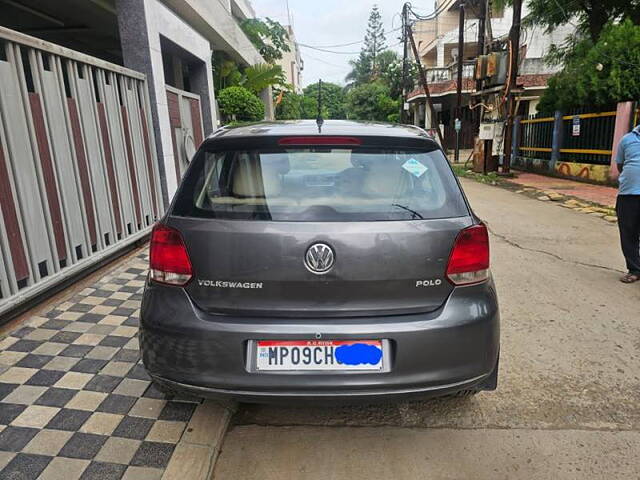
482 26
405 65
458 120
514 40
425 85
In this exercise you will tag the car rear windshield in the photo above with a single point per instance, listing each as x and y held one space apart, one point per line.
320 184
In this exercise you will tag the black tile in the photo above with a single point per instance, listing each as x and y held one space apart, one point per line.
91 318
65 337
103 471
127 355
69 420
76 351
153 392
177 411
127 289
114 341
23 332
53 313
55 324
117 404
122 311
119 281
112 302
138 373
80 307
25 467
9 412
88 365
102 293
13 439
135 271
137 297
34 361
153 454
83 445
102 383
6 389
25 345
45 378
132 322
136 428
56 397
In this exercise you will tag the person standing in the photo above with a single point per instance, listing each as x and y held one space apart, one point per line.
628 202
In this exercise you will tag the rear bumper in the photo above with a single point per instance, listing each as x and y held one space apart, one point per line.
453 348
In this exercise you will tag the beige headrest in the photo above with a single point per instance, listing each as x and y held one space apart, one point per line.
385 181
251 179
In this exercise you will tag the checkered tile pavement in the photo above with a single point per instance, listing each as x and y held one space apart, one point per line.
75 400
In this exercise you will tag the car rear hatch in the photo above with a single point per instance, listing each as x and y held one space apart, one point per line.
385 216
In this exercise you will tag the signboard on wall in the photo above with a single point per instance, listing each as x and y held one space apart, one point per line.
575 130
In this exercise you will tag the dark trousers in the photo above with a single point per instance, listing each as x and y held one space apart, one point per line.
628 209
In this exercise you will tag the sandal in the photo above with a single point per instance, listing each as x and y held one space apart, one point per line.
630 278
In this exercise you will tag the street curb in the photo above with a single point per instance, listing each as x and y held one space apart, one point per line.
196 453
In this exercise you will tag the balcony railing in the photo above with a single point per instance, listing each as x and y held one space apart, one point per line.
445 74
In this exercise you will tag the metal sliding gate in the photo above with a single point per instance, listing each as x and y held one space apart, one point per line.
78 171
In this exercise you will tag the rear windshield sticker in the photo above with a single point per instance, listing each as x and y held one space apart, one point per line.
414 167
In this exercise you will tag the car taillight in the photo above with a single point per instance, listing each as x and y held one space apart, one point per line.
168 258
469 259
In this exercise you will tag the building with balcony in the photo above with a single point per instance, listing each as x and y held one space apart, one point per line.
169 41
437 41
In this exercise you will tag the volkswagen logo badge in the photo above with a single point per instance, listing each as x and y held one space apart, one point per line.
319 258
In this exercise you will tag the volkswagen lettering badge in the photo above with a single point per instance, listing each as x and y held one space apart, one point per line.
319 258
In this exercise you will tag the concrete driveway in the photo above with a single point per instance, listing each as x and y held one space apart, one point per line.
568 404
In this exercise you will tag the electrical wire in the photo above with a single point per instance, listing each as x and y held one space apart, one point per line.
324 50
350 43
341 53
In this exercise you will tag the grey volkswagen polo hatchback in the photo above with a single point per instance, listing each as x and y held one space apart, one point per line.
340 263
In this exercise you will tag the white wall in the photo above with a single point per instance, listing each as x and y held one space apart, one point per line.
162 21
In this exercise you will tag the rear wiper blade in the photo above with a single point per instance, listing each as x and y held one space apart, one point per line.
413 212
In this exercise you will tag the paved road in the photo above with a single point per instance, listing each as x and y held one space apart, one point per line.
568 403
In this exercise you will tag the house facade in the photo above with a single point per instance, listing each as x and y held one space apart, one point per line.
437 41
291 62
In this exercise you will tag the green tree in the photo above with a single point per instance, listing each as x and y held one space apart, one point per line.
367 66
589 16
332 99
295 107
374 40
371 101
289 107
600 73
240 104
268 36
226 72
258 77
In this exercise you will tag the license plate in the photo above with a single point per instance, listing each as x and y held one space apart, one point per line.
320 355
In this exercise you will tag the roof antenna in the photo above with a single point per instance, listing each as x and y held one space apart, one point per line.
319 120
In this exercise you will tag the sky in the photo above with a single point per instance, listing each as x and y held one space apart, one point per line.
321 23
